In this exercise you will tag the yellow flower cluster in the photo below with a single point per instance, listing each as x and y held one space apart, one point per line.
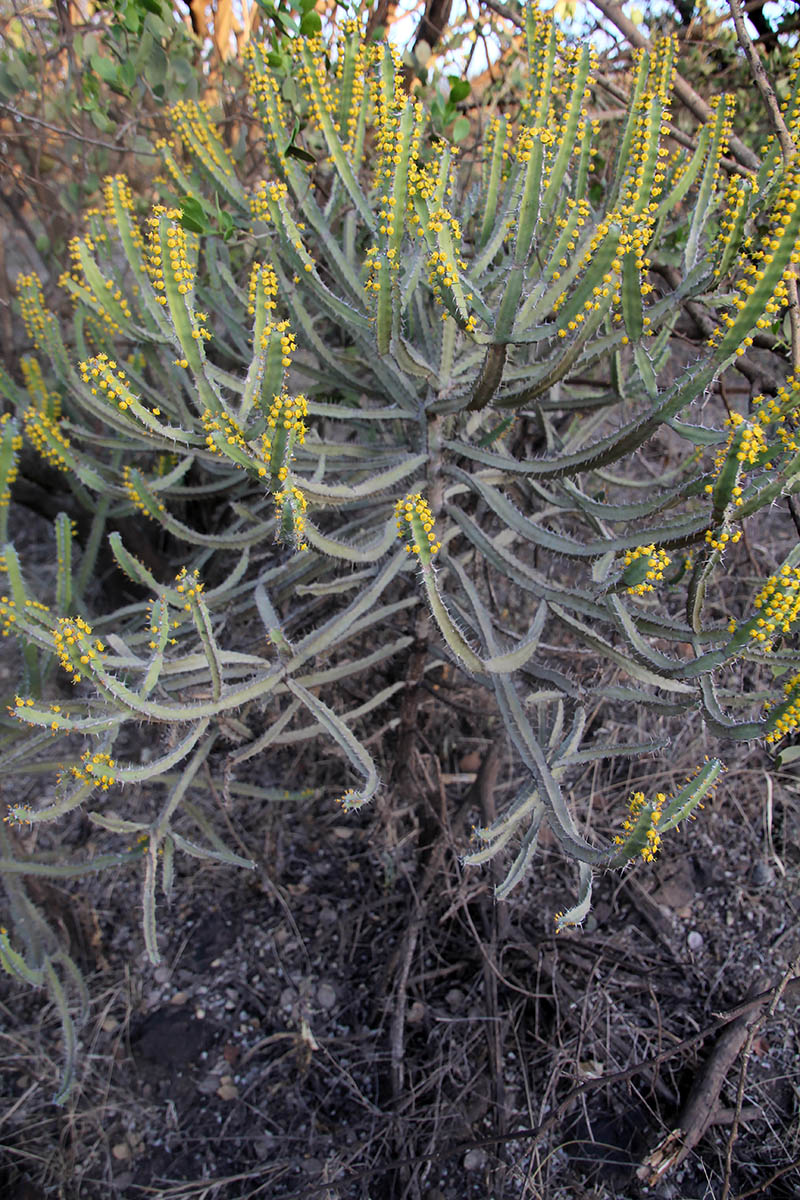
136 500
415 521
263 194
13 470
224 423
82 289
752 445
288 342
720 539
181 248
762 255
8 617
653 838
75 647
118 192
39 323
318 82
657 562
789 718
285 426
189 586
263 281
373 263
290 507
780 411
105 377
778 605
363 57
578 212
97 769
18 814
41 397
736 195
289 414
151 625
390 103
46 436
190 118
8 614
609 281
264 91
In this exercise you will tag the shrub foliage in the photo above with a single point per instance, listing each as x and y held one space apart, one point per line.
482 352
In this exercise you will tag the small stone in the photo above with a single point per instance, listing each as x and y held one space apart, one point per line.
416 1013
454 999
179 998
228 1091
326 995
121 1151
761 874
474 1160
109 1024
200 1013
287 999
162 973
208 1086
695 940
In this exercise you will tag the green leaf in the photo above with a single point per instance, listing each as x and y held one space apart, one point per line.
193 216
157 66
104 67
459 89
310 24
461 129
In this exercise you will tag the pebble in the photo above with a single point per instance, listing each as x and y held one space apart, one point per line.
326 995
695 940
454 999
121 1151
162 973
228 1091
761 874
416 1013
208 1086
474 1160
179 998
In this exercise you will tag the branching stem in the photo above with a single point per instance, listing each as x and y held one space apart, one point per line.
788 150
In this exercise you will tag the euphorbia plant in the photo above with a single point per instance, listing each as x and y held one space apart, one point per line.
430 313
